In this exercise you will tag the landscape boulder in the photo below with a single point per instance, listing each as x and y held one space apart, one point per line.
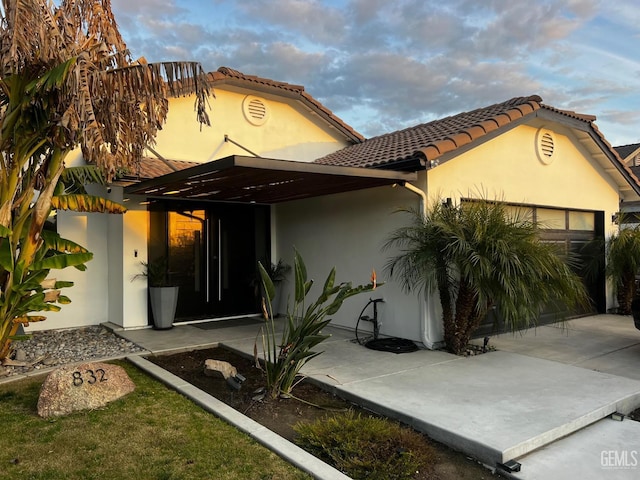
218 367
87 386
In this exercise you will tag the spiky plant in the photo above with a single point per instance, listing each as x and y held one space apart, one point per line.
282 360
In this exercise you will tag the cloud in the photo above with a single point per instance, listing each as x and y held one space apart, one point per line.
383 65
310 20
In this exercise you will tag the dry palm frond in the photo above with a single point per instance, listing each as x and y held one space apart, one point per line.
102 100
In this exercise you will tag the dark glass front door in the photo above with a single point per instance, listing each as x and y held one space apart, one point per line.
212 253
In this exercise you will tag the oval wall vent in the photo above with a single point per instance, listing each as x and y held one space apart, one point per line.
545 146
255 110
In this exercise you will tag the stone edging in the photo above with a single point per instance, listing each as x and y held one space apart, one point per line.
274 442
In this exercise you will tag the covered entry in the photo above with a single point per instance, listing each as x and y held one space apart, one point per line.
212 223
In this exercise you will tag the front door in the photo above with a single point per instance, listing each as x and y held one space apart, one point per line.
212 252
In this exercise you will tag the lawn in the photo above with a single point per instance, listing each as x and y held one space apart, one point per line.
153 433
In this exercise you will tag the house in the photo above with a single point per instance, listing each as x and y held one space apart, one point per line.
278 170
630 155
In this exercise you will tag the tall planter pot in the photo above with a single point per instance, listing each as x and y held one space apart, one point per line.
163 306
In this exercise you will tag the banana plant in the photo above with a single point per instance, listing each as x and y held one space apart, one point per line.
303 326
68 84
27 286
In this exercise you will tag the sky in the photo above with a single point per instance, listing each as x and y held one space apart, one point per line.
385 65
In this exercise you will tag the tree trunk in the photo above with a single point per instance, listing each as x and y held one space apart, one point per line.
625 294
465 308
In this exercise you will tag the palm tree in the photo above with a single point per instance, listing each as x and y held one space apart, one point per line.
67 81
623 264
478 256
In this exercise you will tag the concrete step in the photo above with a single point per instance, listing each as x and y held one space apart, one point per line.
605 450
495 407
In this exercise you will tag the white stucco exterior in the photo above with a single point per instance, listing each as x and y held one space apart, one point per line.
289 132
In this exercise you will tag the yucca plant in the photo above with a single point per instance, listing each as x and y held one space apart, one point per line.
303 325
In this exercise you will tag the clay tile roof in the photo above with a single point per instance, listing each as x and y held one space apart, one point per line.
150 167
229 75
433 139
224 73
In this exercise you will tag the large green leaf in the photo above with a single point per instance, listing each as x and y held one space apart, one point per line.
62 260
86 203
74 179
53 241
54 78
6 254
267 283
82 175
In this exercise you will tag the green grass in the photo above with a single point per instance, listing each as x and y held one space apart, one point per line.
152 433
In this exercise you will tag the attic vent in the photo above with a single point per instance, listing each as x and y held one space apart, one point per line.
255 110
545 146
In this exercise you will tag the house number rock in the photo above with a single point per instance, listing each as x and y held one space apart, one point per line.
82 387
90 376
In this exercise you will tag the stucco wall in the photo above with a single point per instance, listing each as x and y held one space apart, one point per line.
89 295
289 132
348 231
508 167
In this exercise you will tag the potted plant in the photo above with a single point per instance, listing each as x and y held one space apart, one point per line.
278 274
163 295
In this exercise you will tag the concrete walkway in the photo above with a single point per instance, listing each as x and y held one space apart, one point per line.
523 402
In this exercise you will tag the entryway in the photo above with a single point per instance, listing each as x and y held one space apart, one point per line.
212 250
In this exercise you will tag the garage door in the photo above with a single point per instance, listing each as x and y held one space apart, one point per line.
573 232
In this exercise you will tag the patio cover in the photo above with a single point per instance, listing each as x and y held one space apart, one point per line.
263 181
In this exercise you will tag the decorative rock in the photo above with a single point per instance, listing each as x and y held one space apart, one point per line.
82 387
21 355
86 344
214 367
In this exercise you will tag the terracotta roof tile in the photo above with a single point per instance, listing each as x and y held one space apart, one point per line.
229 75
150 167
433 139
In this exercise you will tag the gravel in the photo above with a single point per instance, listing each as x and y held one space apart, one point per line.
50 348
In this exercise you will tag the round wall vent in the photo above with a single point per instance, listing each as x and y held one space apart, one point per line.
545 146
255 110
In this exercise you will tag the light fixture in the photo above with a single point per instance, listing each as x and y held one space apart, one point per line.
510 466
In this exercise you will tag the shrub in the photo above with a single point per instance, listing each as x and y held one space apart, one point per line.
366 446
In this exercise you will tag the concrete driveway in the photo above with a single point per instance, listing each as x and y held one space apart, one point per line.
604 343
543 399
